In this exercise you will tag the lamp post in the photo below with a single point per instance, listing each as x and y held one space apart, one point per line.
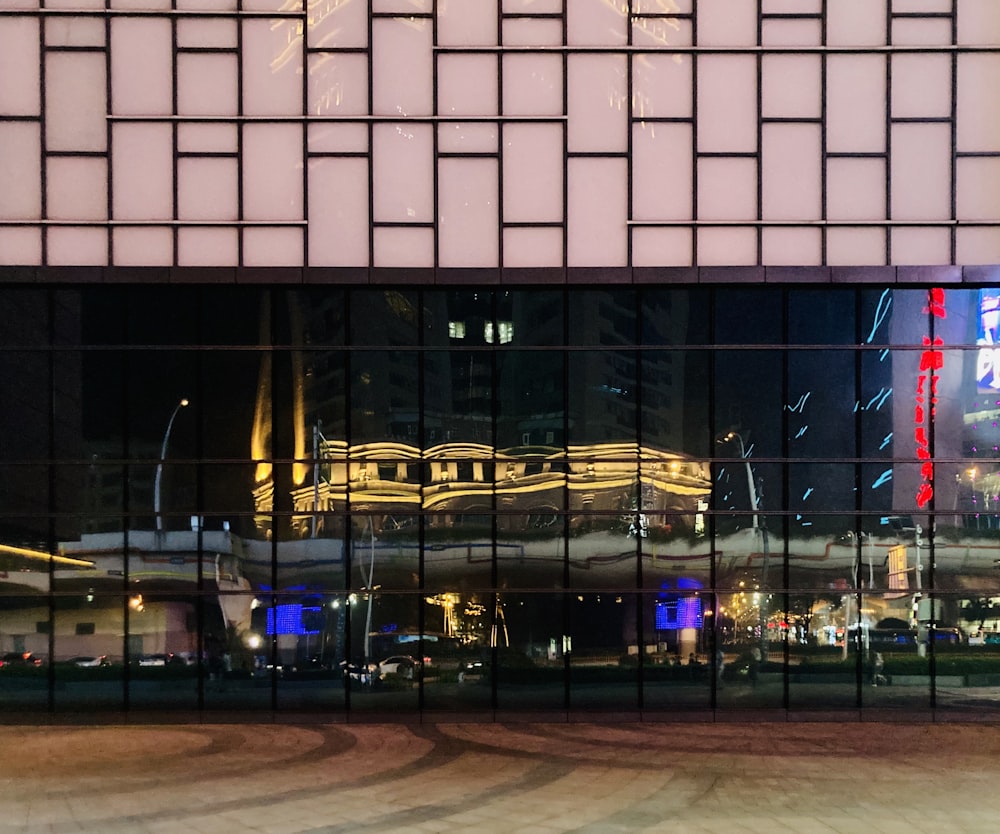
159 467
757 529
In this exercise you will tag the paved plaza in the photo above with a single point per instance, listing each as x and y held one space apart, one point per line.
506 777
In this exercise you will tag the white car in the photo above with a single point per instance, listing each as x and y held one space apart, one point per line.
88 660
400 664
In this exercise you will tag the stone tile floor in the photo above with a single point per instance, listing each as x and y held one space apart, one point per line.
537 778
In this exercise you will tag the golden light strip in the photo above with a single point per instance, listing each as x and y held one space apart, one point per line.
46 557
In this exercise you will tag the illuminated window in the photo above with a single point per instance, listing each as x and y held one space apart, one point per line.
504 330
456 329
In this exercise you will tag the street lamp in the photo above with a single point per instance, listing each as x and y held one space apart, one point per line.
757 529
159 467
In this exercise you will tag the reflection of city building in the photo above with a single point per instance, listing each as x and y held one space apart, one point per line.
458 484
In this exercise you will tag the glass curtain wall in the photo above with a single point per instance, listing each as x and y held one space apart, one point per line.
486 500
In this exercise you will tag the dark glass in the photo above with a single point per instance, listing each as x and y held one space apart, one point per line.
674 317
26 626
538 316
603 668
531 652
606 318
822 316
748 316
679 660
532 399
601 397
386 318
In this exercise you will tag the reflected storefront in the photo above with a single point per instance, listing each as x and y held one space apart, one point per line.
482 501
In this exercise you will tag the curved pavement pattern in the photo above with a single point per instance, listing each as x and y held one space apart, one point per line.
579 777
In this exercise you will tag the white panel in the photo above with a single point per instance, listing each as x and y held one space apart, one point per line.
272 5
527 247
74 30
338 212
75 105
727 103
972 246
661 247
855 101
272 172
921 172
904 6
662 31
142 163
140 5
791 247
272 68
467 85
207 137
208 5
662 169
977 189
921 86
474 137
532 85
915 246
404 247
598 103
532 6
597 234
521 31
402 156
207 247
76 246
468 208
791 6
461 23
20 4
791 172
142 246
532 173
338 24
272 247
596 23
77 188
207 84
206 189
20 171
338 138
338 84
19 59
20 246
57 4
402 66
792 86
791 32
665 7
856 23
727 247
141 67
978 124
855 189
213 32
727 189
978 22
908 31
855 247
727 24
661 86
401 6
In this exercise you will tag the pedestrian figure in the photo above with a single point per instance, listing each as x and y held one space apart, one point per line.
755 658
720 664
877 669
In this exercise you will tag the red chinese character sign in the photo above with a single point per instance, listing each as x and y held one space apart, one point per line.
926 399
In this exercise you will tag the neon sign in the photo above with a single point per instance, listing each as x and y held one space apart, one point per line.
925 401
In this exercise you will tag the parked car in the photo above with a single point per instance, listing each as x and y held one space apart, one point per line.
402 665
89 660
155 659
19 659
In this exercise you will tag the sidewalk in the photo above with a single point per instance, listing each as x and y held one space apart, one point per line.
580 777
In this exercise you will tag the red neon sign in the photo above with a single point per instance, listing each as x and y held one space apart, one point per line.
925 400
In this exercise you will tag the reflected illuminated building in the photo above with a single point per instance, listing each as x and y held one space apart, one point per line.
535 358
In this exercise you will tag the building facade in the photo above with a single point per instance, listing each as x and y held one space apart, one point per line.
484 359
